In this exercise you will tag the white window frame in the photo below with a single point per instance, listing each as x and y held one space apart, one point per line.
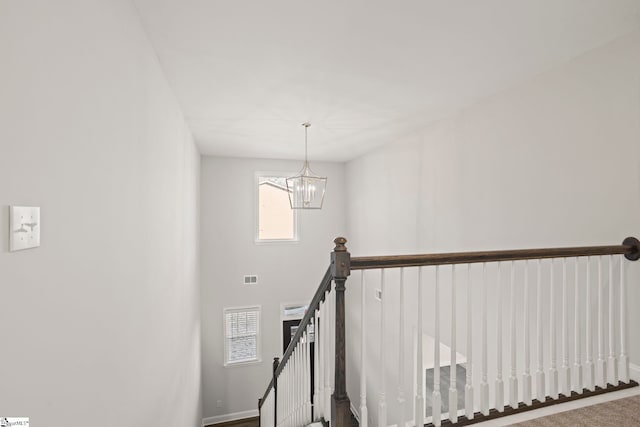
258 359
256 211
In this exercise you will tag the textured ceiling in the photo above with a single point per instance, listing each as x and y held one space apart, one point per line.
247 73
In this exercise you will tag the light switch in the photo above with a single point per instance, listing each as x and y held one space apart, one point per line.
24 223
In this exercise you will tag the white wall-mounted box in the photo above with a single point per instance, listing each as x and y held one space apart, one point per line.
24 227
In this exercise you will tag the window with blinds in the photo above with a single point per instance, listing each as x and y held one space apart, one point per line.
242 335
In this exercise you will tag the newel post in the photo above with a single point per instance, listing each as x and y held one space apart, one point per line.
340 270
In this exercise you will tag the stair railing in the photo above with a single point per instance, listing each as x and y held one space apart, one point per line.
476 346
297 394
565 279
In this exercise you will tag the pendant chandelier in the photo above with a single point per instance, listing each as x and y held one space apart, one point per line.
306 190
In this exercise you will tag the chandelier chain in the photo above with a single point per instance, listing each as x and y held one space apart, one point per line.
306 126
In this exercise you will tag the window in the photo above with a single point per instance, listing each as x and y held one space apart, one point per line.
242 335
276 221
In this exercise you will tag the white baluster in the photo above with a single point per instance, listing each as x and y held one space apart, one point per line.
319 402
305 373
281 398
484 385
328 356
540 383
602 367
289 383
292 388
499 403
305 388
332 341
285 394
316 368
613 360
295 392
513 380
298 396
276 407
364 415
401 399
589 366
282 395
310 337
382 400
308 378
624 359
453 391
566 373
302 391
299 384
419 399
553 371
468 388
289 377
299 390
266 417
526 376
266 414
577 364
436 398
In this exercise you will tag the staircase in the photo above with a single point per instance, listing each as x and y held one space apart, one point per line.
531 328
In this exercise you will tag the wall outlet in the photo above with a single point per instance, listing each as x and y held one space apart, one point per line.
250 279
218 403
378 294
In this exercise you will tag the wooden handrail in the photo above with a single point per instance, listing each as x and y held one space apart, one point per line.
319 296
630 248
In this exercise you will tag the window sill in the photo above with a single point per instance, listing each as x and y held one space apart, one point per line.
276 242
240 364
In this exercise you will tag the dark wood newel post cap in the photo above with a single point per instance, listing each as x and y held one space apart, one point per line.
340 259
340 244
634 254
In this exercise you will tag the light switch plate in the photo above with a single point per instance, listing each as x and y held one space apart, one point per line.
24 227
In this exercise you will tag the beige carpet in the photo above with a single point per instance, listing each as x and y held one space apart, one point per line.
621 412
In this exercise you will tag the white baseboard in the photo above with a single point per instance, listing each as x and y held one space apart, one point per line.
634 372
230 417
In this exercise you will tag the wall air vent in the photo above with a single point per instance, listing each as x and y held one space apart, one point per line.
251 279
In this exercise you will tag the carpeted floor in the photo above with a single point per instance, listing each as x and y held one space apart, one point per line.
616 413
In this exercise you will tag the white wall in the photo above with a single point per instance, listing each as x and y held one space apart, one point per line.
100 325
287 272
552 162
